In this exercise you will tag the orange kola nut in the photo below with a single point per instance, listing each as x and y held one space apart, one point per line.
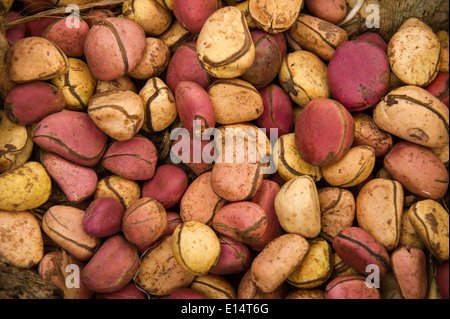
144 222
113 47
244 221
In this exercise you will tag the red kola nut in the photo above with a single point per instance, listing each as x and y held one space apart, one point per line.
68 37
324 132
192 14
113 47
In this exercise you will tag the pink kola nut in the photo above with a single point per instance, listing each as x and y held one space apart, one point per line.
77 182
439 87
324 132
244 221
235 257
173 220
350 287
442 279
69 38
185 293
270 50
130 291
192 14
103 217
358 249
194 104
113 47
112 267
358 74
184 66
71 135
373 38
265 197
278 113
95 15
133 159
17 32
167 186
36 27
31 102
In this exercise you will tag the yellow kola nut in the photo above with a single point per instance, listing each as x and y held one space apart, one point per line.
196 247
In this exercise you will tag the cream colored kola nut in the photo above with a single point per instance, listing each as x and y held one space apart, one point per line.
196 247
124 190
120 114
303 75
297 207
414 53
224 46
274 16
122 83
35 58
154 61
77 85
149 14
160 110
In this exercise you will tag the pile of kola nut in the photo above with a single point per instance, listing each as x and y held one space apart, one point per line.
319 162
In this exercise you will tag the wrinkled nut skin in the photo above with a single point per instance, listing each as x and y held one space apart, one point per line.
235 101
350 287
199 202
270 50
338 210
265 197
297 207
64 224
353 168
277 261
358 249
196 247
194 107
442 279
244 221
77 182
331 11
192 14
103 217
274 17
184 66
414 114
235 257
30 102
21 242
70 39
409 268
248 290
303 75
317 35
77 85
155 58
133 159
368 83
167 186
48 271
144 222
160 110
35 59
120 114
288 161
25 187
213 287
113 47
368 133
316 266
112 267
277 110
231 52
431 222
159 273
124 190
148 14
414 53
439 87
379 208
60 133
324 132
423 173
